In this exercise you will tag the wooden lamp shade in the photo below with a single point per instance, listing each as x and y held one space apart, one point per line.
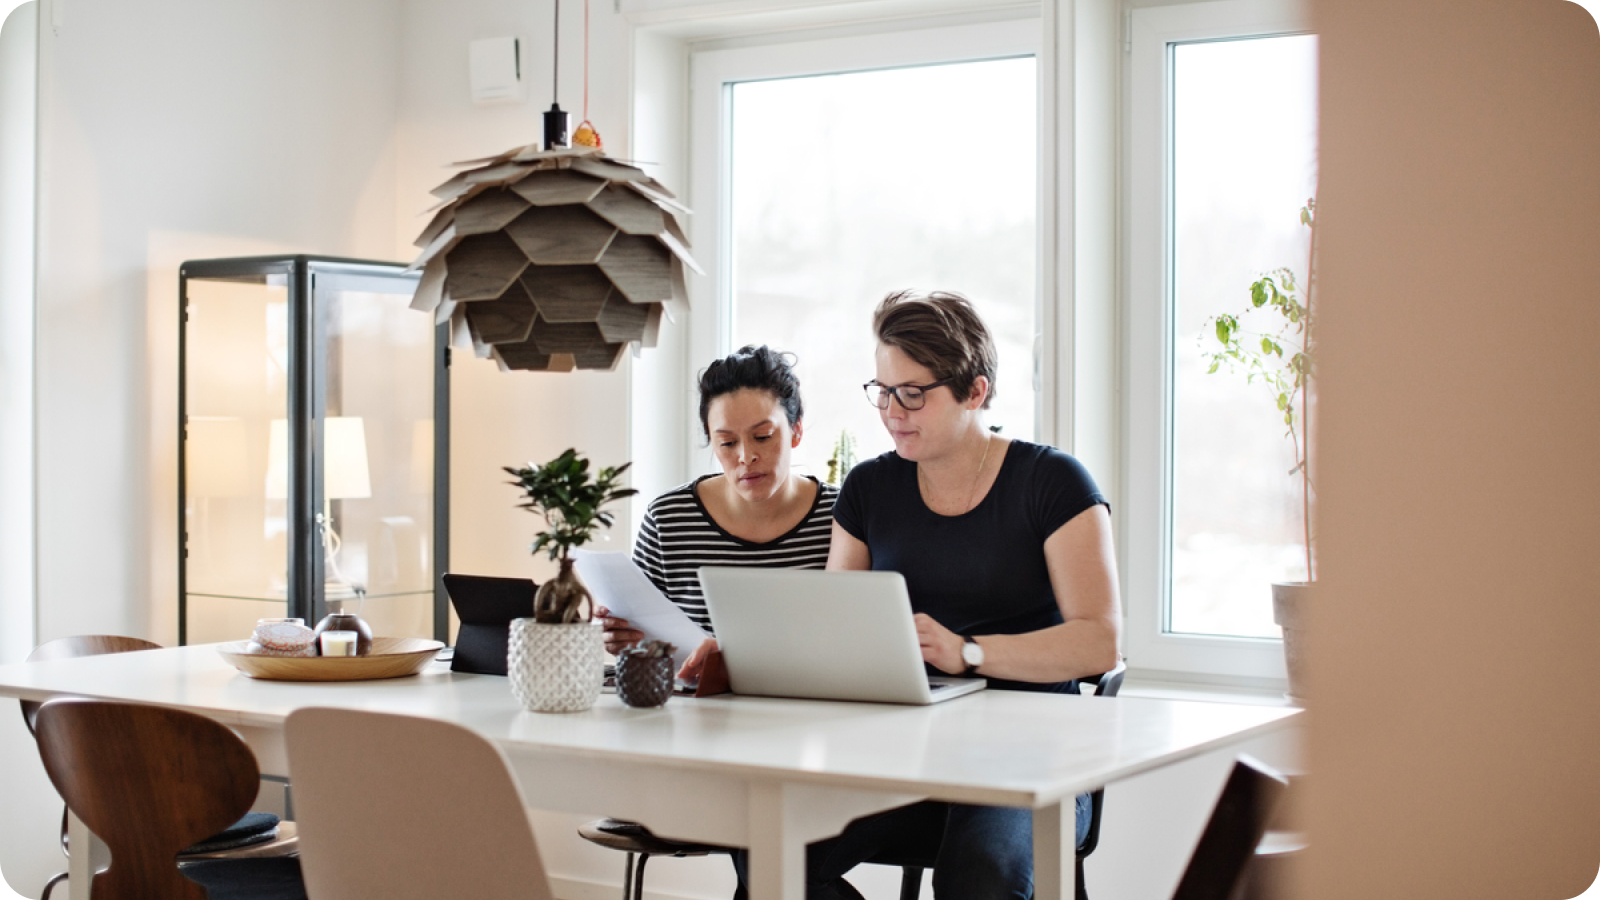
553 260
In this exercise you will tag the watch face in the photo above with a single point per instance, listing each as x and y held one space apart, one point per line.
971 654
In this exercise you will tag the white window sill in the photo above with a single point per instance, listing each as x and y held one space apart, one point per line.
1136 686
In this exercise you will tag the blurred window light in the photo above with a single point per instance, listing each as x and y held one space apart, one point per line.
850 185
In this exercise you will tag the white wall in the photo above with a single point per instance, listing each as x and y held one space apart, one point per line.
25 787
169 129
176 129
18 131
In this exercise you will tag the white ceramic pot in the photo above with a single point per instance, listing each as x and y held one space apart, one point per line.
555 668
1290 610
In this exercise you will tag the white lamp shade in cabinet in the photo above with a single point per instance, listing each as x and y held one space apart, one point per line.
345 475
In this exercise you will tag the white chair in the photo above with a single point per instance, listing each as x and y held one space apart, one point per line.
396 806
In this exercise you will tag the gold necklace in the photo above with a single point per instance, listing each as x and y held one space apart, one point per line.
977 476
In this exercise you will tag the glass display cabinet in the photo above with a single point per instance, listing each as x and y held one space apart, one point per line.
313 462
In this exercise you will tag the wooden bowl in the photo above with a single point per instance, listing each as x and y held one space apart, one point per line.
390 658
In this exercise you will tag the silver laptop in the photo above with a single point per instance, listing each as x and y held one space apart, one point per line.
822 636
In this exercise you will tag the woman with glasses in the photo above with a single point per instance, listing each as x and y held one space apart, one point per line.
1006 549
756 512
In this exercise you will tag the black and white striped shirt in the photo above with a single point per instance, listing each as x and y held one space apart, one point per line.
678 537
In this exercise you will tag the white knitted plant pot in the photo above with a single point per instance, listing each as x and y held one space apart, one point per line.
556 668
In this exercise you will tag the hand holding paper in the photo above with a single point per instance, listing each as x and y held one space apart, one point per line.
619 586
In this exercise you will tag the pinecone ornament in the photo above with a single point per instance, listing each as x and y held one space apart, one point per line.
645 675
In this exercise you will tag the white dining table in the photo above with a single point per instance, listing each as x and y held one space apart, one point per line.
768 774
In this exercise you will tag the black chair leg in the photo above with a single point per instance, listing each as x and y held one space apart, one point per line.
1078 880
51 885
627 878
910 882
638 877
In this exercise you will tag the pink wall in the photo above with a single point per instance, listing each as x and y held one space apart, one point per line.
1455 737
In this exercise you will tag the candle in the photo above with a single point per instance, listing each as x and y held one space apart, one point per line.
338 643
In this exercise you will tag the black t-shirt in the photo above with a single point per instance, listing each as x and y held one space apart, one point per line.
981 572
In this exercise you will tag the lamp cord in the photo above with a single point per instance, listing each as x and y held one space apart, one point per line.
556 56
585 59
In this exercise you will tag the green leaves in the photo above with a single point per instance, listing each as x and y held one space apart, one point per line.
1268 341
562 491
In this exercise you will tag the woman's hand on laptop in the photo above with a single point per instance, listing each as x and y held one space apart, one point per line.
941 647
696 663
619 633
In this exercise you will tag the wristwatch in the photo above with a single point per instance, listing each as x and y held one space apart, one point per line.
972 655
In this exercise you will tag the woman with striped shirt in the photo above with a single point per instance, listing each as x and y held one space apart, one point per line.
755 513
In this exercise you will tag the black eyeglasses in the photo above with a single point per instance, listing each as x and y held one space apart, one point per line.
911 396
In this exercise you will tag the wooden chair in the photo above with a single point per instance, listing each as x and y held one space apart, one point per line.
1229 841
1106 684
101 644
77 646
150 782
396 806
71 648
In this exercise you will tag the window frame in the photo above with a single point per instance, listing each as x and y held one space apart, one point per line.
714 68
1149 340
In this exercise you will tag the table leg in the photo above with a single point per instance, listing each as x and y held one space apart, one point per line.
1055 833
777 851
87 855
784 818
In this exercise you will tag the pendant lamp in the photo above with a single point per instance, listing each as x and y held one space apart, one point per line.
553 259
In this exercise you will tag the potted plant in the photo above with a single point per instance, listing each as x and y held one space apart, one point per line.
556 659
1272 342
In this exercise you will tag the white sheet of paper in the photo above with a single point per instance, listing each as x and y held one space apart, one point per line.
619 586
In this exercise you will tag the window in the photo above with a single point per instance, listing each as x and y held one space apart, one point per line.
847 168
1222 156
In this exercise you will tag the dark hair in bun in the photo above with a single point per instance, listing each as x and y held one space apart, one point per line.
751 368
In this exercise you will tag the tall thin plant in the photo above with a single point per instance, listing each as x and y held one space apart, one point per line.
1272 343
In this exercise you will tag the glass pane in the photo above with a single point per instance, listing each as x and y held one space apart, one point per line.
378 454
846 187
237 355
1245 162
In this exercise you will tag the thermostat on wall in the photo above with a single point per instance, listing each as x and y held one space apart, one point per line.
496 65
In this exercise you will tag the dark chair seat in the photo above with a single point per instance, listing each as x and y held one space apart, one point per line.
640 844
236 878
632 837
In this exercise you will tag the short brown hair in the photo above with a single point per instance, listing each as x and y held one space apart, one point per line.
941 331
